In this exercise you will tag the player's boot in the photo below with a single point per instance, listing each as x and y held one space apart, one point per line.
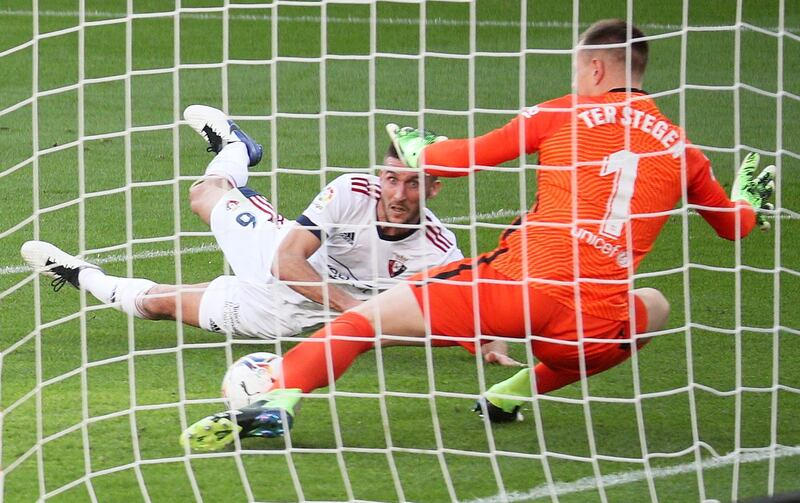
215 127
48 259
502 402
270 416
485 408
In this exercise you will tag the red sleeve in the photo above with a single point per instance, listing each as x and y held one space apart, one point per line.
705 190
498 146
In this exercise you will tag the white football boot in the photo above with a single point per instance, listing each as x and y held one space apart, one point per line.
46 258
215 127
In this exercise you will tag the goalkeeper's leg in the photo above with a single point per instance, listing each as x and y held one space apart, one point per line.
269 416
395 311
560 364
399 312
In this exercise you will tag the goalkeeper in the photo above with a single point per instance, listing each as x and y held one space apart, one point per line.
277 289
612 167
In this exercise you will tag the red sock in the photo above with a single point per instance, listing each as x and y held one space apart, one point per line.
306 365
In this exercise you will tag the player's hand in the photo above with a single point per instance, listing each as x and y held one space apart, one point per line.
756 190
496 352
501 359
409 142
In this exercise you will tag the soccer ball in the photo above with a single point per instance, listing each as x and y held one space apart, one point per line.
250 376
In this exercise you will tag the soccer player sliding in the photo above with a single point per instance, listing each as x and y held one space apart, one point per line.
359 233
611 168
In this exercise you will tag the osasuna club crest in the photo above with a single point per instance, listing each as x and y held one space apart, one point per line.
396 268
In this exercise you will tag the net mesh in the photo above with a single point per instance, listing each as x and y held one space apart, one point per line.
97 160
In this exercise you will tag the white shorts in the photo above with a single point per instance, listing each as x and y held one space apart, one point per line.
244 308
253 303
248 230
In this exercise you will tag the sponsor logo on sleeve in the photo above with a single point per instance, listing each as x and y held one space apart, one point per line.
323 198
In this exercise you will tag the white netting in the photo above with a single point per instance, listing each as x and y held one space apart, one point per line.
95 159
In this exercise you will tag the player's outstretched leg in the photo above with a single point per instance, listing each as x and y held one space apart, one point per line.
49 260
270 416
215 127
125 294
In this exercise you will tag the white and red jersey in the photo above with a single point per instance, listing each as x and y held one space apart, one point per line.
355 252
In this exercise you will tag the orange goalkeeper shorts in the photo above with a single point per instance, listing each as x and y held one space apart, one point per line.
456 296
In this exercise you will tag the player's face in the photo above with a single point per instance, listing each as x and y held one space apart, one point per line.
400 195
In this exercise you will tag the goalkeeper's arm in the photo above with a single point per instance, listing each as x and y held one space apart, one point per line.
706 192
451 158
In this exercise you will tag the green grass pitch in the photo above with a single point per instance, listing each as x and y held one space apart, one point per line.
92 403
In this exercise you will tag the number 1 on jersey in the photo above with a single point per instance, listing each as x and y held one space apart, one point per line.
624 166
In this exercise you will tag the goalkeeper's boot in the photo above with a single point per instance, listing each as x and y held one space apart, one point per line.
48 259
503 401
269 416
496 414
215 127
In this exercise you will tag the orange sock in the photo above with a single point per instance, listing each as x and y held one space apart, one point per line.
548 379
306 365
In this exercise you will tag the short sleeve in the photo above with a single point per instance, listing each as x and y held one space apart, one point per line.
330 207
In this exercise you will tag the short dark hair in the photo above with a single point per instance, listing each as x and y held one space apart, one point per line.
392 151
615 31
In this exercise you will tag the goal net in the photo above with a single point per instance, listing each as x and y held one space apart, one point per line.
95 158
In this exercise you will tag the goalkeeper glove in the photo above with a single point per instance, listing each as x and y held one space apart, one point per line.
409 142
755 190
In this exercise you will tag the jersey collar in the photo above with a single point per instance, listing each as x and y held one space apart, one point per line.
626 90
387 237
398 237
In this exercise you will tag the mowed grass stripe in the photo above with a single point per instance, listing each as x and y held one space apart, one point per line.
213 248
718 361
215 13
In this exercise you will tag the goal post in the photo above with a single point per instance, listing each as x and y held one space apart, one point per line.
97 159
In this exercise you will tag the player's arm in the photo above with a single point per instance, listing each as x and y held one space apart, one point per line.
457 157
291 265
704 190
451 158
495 147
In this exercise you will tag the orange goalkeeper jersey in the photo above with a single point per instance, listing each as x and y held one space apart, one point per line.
611 168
